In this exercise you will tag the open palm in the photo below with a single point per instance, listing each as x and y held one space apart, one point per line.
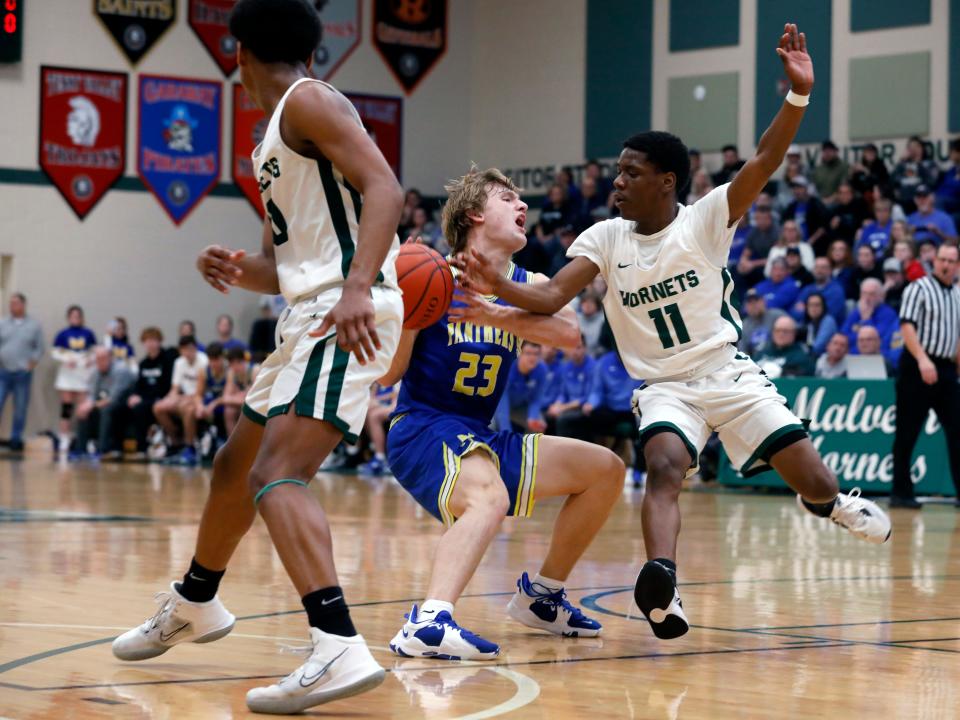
796 62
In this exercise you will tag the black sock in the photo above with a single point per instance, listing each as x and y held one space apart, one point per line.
821 509
200 584
327 611
668 564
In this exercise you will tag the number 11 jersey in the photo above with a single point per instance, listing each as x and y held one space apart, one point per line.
668 296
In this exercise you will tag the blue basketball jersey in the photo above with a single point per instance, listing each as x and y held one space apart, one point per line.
460 368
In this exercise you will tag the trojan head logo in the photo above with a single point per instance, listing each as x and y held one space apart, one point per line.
179 129
413 12
83 121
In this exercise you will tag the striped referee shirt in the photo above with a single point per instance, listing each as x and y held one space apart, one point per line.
934 310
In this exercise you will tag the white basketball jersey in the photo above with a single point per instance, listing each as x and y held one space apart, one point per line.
314 211
668 297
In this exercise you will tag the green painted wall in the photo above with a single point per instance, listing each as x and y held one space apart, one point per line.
813 18
953 67
889 96
698 24
883 14
702 110
619 73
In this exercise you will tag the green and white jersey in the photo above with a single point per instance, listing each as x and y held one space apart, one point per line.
668 297
314 211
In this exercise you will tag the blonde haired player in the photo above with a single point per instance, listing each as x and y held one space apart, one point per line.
668 304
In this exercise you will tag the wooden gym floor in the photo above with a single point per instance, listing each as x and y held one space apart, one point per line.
792 618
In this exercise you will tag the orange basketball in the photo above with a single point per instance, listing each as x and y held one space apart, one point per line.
427 284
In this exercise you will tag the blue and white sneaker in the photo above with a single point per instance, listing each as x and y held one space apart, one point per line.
537 607
375 467
440 637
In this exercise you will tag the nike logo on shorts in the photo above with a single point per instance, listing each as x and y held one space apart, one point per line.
323 671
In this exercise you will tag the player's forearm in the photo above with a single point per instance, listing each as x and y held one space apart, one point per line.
773 145
912 342
557 330
378 226
259 274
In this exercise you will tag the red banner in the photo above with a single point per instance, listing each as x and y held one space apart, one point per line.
209 20
83 132
383 118
249 126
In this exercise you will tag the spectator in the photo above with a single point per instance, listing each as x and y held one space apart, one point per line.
913 170
73 350
591 321
830 173
876 233
870 172
810 213
564 179
106 393
182 400
848 214
927 254
696 161
731 165
552 360
429 232
411 201
790 237
210 390
700 185
119 344
833 363
928 223
555 212
905 251
781 290
794 159
609 406
842 262
893 283
948 191
785 194
867 267
263 332
739 242
871 310
576 380
595 173
152 385
383 401
592 206
225 337
187 329
521 406
238 382
784 356
21 347
868 343
758 324
760 240
818 325
829 289
796 268
558 249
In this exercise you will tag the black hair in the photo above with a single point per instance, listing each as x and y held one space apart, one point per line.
73 308
666 151
286 31
730 147
235 354
186 341
23 298
214 350
192 324
955 144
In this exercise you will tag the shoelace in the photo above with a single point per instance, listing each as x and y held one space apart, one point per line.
558 598
163 599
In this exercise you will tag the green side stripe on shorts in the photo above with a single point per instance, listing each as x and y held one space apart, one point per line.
338 214
253 415
724 308
335 383
307 394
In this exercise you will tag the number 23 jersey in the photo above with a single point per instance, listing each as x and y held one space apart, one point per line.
668 296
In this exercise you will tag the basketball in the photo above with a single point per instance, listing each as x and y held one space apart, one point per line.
427 284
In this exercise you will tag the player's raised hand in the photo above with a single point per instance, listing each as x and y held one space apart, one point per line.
471 307
796 62
218 266
477 272
354 318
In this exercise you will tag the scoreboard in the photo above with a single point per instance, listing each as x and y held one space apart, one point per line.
11 30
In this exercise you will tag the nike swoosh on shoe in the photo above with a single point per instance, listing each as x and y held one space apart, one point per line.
165 638
323 671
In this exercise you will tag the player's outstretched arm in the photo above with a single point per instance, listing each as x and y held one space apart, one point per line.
545 298
223 268
773 145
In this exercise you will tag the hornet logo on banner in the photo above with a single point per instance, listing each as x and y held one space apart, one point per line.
249 127
411 35
136 24
383 119
341 34
178 157
209 20
83 132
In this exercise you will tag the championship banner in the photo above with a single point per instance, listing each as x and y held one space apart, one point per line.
411 36
852 424
136 26
383 118
209 19
342 21
249 127
178 150
83 132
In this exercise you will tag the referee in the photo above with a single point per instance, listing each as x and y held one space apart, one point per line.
930 324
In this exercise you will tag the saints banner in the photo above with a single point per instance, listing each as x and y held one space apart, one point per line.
383 119
178 153
136 24
209 19
852 426
341 34
249 126
411 35
83 132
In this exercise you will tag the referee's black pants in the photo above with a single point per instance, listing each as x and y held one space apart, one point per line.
915 399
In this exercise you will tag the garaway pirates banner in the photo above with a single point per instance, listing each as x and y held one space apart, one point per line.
136 24
341 34
411 35
383 119
83 132
249 125
209 20
178 153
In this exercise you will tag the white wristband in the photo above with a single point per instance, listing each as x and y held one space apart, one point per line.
798 100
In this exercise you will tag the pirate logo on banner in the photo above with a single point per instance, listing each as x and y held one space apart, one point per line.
136 26
341 34
83 132
249 126
210 21
178 157
411 35
383 119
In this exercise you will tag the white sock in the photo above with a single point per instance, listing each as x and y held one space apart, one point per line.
549 584
380 456
433 607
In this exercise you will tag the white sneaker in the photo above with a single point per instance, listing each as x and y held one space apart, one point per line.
338 668
536 606
860 517
177 621
438 636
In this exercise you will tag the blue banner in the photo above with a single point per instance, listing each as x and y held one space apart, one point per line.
178 153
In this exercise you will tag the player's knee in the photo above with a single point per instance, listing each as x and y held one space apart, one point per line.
486 496
226 470
665 473
613 470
